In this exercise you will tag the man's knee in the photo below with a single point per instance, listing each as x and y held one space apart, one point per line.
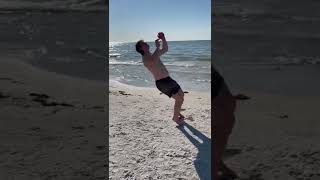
226 104
233 104
223 120
180 97
224 117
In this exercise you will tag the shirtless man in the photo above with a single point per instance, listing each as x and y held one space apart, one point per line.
160 73
223 108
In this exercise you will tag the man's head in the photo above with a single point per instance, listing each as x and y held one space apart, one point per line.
142 47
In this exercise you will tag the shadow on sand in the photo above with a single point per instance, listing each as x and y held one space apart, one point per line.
203 143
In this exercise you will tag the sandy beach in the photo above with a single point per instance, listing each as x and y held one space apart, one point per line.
145 143
275 137
268 51
52 126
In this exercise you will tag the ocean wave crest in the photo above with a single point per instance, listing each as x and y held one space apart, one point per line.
283 60
287 61
55 5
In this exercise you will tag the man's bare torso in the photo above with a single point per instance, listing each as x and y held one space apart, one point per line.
158 70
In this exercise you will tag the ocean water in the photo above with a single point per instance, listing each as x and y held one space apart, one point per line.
80 5
188 62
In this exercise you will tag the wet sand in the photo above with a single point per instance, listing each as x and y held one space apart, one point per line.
52 126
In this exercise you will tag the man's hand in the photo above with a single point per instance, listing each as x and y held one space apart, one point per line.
157 43
158 52
161 35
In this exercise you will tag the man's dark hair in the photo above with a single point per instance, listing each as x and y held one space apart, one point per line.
139 47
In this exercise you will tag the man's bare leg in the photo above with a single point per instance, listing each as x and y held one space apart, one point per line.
223 118
227 172
179 98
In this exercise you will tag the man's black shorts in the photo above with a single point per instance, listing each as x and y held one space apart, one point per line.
168 86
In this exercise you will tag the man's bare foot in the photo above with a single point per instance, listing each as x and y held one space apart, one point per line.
226 172
178 120
181 116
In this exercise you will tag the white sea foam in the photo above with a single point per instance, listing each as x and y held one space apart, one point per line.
114 55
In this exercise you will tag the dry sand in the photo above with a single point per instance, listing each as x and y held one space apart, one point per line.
145 143
275 138
52 126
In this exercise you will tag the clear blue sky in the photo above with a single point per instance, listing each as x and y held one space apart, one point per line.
131 20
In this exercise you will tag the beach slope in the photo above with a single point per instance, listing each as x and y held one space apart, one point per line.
52 126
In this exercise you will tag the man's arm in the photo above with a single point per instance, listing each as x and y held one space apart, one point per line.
158 52
164 48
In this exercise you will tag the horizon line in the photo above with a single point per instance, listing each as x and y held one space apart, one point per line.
153 41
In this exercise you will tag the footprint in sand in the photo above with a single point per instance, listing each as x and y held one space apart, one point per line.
43 100
190 118
124 93
78 127
12 80
242 97
2 96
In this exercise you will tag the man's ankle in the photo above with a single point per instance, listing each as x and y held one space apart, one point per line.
175 118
